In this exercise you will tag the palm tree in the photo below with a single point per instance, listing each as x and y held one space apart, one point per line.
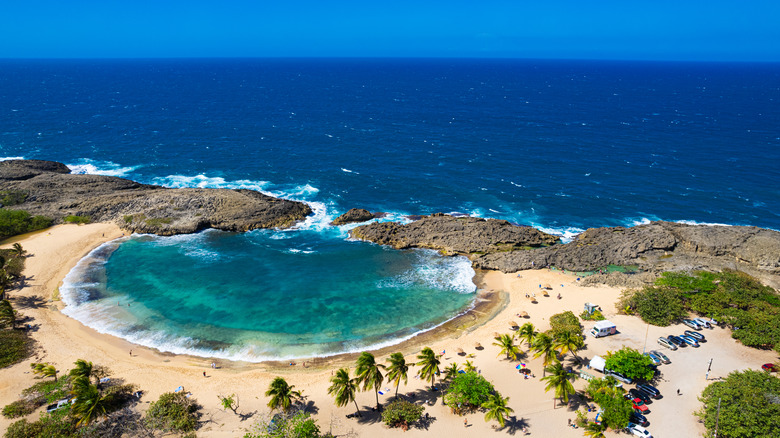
569 342
369 374
469 367
508 347
5 283
281 394
343 389
528 333
429 363
18 250
594 430
88 401
543 345
560 380
497 408
7 314
451 371
397 371
44 369
82 369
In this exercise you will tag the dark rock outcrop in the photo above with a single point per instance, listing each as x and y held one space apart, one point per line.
52 191
455 235
353 215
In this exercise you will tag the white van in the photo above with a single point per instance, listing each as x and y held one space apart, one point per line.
603 328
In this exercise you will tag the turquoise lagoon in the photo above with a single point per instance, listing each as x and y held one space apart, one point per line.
266 294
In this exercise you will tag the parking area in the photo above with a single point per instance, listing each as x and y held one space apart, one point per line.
673 415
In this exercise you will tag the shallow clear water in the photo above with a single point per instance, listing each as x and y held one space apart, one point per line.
265 294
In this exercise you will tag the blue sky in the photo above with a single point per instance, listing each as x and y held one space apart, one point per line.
592 29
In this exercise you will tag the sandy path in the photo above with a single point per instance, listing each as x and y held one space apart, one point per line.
62 340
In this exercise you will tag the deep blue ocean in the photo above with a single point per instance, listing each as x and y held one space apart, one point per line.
559 145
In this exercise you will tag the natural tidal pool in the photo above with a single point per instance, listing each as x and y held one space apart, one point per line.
266 294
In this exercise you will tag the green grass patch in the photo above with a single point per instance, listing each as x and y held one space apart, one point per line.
12 197
49 389
14 222
15 346
156 222
20 408
73 219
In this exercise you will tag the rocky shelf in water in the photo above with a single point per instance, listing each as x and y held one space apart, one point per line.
49 189
651 248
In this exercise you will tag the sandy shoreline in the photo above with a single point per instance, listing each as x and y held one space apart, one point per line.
61 340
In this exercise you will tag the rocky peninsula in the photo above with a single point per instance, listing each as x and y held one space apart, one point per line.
649 249
48 188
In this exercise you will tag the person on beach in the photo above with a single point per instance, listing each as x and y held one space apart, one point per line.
465 422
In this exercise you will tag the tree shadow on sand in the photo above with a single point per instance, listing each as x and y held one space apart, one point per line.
514 425
29 302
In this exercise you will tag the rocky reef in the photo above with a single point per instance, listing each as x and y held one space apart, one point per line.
455 235
651 248
354 215
49 189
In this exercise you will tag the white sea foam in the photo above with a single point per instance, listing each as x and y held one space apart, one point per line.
690 222
567 234
11 158
95 167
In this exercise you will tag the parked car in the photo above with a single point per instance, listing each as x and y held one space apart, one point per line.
689 340
645 397
692 324
655 360
650 389
662 356
695 335
638 404
702 322
638 430
618 376
676 341
665 343
770 368
638 419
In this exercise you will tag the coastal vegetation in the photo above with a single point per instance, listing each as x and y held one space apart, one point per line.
429 364
79 407
559 380
282 394
13 222
733 298
744 405
73 219
369 374
507 345
397 371
467 392
402 413
630 363
496 409
343 389
173 412
298 425
616 410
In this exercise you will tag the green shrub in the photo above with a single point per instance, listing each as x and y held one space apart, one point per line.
467 392
659 306
156 222
299 425
173 412
56 424
128 218
72 219
13 222
401 413
12 197
15 346
564 322
20 408
630 363
749 405
50 390
595 316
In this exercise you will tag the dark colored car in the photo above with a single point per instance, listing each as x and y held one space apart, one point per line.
695 335
638 419
635 393
650 389
677 341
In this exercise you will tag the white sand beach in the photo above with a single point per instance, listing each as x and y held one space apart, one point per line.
61 340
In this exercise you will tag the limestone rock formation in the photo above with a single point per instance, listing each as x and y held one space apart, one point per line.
53 192
353 215
455 235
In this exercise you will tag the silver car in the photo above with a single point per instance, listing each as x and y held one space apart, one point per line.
665 342
702 322
661 356
689 340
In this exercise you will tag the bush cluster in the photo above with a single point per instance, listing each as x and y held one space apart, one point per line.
468 391
630 363
173 411
751 309
20 408
13 222
15 346
749 405
564 322
72 219
401 413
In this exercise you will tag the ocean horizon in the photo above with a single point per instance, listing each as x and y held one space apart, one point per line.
558 145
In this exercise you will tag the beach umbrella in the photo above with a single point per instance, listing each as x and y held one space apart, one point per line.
460 351
524 314
478 346
513 324
496 334
547 286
